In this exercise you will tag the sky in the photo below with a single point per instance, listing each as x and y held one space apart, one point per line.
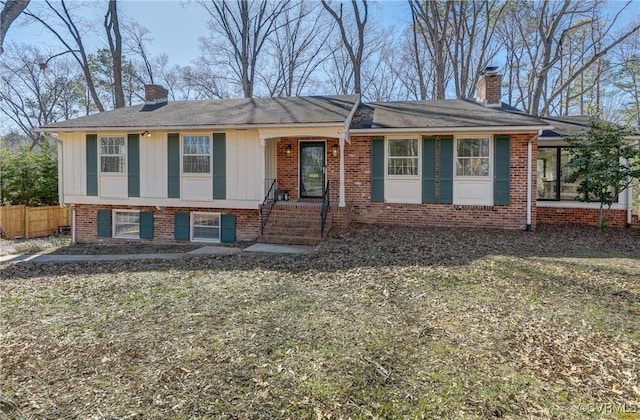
175 25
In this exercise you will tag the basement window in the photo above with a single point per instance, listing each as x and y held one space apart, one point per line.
205 227
126 224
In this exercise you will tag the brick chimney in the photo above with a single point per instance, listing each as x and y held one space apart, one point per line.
489 88
155 94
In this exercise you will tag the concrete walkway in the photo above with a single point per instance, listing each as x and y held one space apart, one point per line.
205 250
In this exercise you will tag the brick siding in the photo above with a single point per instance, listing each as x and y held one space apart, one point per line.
560 215
513 216
247 222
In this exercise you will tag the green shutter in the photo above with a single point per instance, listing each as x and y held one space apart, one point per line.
446 171
104 223
428 170
146 225
377 169
219 166
133 165
227 228
181 227
173 165
92 164
501 171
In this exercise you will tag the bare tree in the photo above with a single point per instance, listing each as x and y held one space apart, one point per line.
545 30
136 42
243 28
112 27
37 90
10 12
75 45
354 45
433 24
297 48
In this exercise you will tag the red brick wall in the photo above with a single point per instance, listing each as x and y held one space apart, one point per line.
247 222
513 216
560 215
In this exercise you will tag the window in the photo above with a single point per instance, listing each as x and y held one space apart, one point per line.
126 224
552 174
205 227
472 157
196 155
112 154
402 157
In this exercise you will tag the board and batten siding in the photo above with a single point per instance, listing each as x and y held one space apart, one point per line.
153 167
74 167
244 165
243 179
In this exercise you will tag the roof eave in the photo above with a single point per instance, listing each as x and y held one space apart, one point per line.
180 128
448 130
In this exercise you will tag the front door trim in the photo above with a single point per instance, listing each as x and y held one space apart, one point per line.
301 145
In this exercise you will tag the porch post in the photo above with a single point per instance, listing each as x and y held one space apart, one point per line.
341 201
263 169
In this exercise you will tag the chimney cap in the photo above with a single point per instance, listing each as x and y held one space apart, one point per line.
490 70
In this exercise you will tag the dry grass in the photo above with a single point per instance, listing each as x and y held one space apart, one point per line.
380 323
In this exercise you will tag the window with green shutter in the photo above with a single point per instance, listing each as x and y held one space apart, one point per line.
146 225
445 184
228 225
377 169
104 223
181 227
173 165
133 165
219 151
502 171
92 164
428 169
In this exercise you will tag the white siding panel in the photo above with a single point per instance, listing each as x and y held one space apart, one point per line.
153 166
473 192
112 186
403 191
74 165
197 188
244 163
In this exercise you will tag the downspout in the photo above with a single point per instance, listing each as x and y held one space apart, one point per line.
61 190
529 178
345 137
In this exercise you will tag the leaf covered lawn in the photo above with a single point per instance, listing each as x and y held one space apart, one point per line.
381 322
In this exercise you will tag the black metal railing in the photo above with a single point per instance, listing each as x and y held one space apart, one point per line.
324 210
269 201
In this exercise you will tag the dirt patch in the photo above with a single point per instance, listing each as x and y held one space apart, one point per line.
381 322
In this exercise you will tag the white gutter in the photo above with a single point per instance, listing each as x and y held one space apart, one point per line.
450 130
529 179
345 137
61 190
94 129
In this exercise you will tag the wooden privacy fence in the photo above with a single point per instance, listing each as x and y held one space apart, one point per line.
32 222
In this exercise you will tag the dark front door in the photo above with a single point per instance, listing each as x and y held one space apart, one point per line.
312 169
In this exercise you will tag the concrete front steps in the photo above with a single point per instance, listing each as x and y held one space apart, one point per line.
295 223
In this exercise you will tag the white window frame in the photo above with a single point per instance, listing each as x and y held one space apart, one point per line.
387 157
183 154
114 224
192 220
490 157
122 156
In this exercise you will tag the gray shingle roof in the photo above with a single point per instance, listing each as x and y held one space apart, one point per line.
438 114
222 113
564 127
